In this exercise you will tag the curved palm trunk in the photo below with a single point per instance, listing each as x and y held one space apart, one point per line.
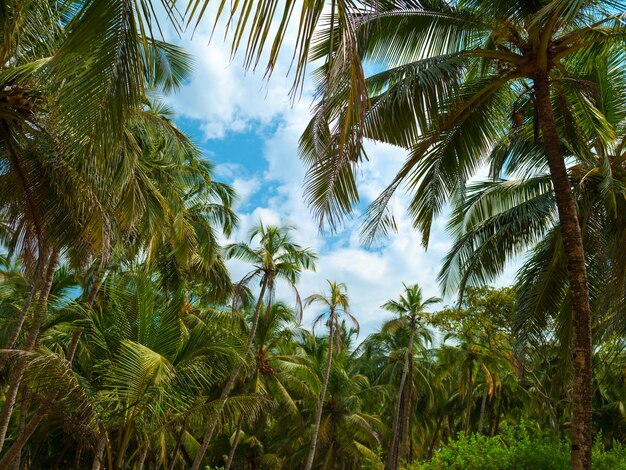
496 426
22 316
233 447
230 383
393 453
18 326
31 340
320 402
577 275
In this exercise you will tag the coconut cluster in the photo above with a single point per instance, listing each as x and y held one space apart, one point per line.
619 172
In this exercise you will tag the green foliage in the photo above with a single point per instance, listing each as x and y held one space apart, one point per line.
373 462
507 452
605 458
516 448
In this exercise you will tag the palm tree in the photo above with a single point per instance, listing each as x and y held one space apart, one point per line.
383 359
351 428
337 304
276 258
55 148
146 359
190 195
455 74
494 220
269 378
163 199
410 308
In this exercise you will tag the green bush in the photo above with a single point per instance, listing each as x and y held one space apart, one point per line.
612 459
516 449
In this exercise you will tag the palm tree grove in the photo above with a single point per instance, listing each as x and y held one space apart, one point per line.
312 234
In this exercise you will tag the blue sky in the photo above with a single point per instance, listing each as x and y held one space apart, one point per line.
249 129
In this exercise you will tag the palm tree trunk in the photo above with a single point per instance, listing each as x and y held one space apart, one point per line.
20 320
31 340
183 428
431 447
406 414
15 450
452 426
21 426
142 457
93 292
230 383
491 418
496 426
322 396
233 447
582 438
393 452
470 392
77 457
483 404
99 455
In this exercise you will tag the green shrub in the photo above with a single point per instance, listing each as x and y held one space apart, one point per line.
516 449
609 459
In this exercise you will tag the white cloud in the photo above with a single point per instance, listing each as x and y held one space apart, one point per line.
245 188
221 95
223 98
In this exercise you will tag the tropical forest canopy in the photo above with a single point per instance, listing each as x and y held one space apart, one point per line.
127 344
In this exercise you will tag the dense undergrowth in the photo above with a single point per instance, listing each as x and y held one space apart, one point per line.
517 448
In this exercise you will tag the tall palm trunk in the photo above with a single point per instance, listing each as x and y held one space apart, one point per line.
183 428
230 383
233 447
577 274
22 425
99 455
470 392
403 449
15 450
393 453
31 340
483 405
142 457
33 209
320 402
